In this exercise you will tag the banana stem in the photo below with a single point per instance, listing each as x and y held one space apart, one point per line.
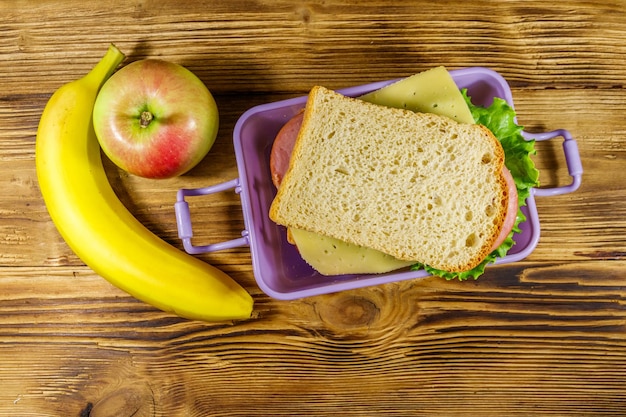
104 68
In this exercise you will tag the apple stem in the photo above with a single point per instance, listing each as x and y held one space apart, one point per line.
146 118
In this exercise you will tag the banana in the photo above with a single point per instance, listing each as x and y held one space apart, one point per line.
98 227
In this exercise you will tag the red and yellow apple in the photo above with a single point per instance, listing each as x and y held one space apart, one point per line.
155 119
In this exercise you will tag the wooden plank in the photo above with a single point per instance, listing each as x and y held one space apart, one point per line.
242 47
397 348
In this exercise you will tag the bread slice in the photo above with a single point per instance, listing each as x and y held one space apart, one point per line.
417 186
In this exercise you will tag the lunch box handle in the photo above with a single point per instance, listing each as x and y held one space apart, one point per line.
572 159
183 218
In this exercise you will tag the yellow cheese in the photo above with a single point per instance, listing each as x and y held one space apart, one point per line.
330 256
432 91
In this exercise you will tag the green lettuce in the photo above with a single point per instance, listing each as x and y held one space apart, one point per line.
499 117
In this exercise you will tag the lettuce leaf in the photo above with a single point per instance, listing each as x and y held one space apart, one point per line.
499 117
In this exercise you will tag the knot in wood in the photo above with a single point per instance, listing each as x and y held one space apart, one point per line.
350 312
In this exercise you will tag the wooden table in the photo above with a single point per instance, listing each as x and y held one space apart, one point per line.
542 336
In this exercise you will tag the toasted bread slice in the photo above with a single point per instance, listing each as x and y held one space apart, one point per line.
417 186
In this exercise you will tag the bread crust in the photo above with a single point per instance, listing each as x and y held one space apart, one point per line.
298 204
503 201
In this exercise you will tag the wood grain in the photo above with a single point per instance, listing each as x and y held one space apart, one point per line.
543 336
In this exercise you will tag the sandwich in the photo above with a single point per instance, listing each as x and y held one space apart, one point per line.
367 188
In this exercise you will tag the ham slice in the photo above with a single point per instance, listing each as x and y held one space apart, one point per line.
511 212
283 146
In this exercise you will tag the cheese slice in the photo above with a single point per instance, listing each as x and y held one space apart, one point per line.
330 256
432 91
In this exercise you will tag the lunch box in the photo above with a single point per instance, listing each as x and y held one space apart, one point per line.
279 270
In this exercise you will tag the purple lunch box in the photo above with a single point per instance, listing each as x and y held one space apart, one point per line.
279 270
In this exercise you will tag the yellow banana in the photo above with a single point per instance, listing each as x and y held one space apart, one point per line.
101 231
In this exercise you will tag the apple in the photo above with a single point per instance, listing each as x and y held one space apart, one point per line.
155 119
